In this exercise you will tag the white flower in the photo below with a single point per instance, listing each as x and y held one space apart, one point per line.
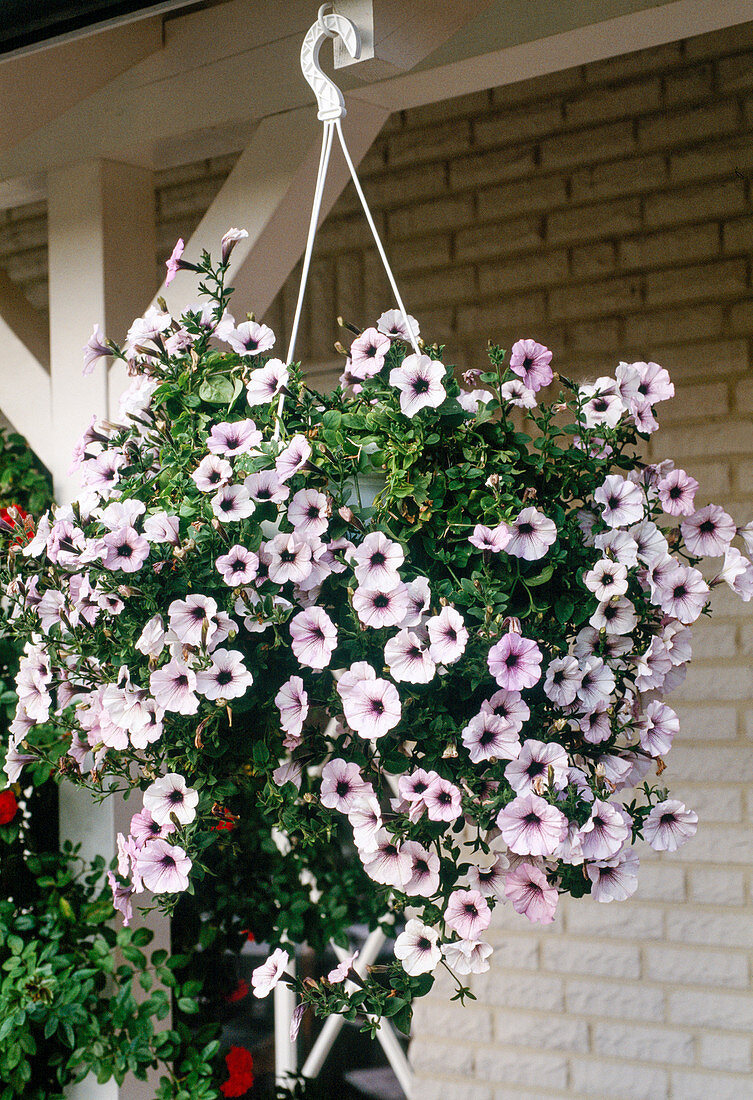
417 948
168 796
419 379
266 976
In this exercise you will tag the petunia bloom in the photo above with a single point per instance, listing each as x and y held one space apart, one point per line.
515 662
531 362
419 380
531 894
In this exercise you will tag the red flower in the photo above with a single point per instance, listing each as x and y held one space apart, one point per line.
17 522
8 806
240 1066
240 991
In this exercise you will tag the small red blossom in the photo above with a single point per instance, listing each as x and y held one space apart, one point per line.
248 934
240 991
240 1064
223 826
15 517
8 806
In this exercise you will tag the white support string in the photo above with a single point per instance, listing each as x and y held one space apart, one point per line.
331 116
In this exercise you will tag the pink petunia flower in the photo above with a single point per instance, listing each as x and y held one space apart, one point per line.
293 457
238 566
342 785
419 380
596 685
622 502
683 593
343 968
536 762
372 708
408 659
193 620
709 532
292 701
442 800
226 678
424 880
144 828
232 504
266 382
515 392
417 948
605 832
515 662
615 616
467 913
530 826
531 362
489 737
95 348
249 338
241 437
126 550
669 825
601 404
657 728
606 579
419 599
562 680
494 539
510 706
171 795
677 492
211 473
614 879
265 977
448 636
308 513
654 385
378 608
531 894
378 560
393 324
173 264
314 637
490 881
531 535
289 558
387 863
173 687
367 353
468 956
164 868
229 241
265 485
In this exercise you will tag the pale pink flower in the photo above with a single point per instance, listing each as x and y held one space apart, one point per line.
212 472
490 737
378 608
419 599
342 785
562 680
677 492
531 362
442 800
622 502
125 549
654 385
493 539
367 353
365 817
622 546
683 594
173 264
424 880
448 636
121 898
95 348
606 579
510 706
372 708
596 725
238 566
378 560
289 558
737 572
601 404
265 977
293 457
229 241
144 828
650 542
173 687
387 863
307 512
343 968
266 382
596 685
531 894
226 678
490 881
265 485
413 787
709 532
162 527
515 662
419 379
605 832
615 616
408 660
669 825
470 401
170 795
536 762
250 338
232 504
292 701
314 637
467 913
393 324
657 727
614 879
531 535
164 868
241 437
192 619
468 956
515 392
417 948
530 826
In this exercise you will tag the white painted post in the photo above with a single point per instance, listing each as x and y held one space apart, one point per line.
101 258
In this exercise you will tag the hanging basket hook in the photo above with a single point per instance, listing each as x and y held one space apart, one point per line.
328 25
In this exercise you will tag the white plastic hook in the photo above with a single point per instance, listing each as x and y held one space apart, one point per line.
328 25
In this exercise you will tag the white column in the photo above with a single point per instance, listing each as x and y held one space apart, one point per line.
102 269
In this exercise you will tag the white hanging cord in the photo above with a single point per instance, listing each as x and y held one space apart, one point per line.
377 240
331 109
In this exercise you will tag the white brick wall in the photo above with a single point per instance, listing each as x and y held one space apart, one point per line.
607 212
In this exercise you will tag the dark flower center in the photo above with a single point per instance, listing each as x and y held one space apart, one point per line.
424 944
381 601
534 768
708 527
125 550
420 385
377 706
470 909
224 677
525 528
532 819
342 788
175 797
168 862
377 558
